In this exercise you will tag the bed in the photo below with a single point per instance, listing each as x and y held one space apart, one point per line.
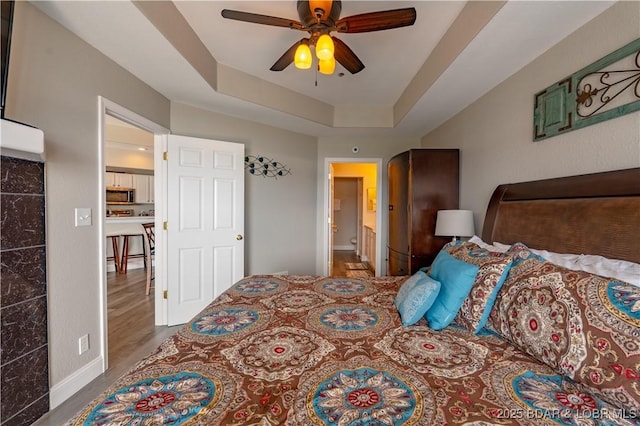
533 342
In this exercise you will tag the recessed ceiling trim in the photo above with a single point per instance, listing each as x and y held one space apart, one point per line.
243 86
471 20
169 21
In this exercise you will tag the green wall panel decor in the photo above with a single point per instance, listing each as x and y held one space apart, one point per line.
608 88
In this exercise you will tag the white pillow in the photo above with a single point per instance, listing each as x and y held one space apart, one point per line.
613 268
478 241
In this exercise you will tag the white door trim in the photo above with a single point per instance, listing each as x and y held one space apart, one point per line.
105 106
326 226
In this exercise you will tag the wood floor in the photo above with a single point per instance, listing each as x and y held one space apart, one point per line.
132 335
340 258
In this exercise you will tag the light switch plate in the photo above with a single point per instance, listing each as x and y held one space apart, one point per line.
83 216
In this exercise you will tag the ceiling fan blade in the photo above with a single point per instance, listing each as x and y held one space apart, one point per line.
345 56
287 57
377 21
261 19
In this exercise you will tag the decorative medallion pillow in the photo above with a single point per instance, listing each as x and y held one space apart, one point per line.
582 325
415 296
493 268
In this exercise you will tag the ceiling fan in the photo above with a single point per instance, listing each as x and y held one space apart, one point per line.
319 18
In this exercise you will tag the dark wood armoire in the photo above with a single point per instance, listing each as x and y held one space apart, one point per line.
421 182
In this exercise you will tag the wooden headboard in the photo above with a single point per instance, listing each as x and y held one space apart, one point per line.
595 213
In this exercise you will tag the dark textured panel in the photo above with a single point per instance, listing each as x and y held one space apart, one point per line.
23 381
22 275
22 221
597 213
23 328
21 176
30 414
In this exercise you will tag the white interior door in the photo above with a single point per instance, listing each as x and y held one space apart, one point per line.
205 222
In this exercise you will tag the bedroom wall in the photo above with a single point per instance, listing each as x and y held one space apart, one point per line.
280 212
495 133
54 83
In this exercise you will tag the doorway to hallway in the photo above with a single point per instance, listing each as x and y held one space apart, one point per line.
352 217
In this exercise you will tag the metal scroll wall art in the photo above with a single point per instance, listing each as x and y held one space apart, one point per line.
608 88
259 165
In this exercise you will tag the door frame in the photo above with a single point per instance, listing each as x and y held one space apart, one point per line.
327 196
107 107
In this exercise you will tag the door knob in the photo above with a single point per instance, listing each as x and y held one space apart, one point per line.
238 237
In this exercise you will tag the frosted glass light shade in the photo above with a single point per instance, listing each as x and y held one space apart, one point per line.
324 47
327 66
454 223
303 58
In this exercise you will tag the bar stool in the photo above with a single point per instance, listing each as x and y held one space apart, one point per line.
116 253
125 252
150 247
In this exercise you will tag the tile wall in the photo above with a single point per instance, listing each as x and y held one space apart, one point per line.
24 370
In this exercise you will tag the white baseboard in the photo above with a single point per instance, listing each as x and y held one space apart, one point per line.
71 384
344 247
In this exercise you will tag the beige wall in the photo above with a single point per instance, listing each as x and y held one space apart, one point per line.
495 133
279 212
54 83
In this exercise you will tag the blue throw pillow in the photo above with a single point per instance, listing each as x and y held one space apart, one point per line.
456 278
407 286
416 296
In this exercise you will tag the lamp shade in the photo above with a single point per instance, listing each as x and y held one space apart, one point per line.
324 47
327 66
303 58
455 223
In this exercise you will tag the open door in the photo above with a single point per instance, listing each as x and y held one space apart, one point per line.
205 222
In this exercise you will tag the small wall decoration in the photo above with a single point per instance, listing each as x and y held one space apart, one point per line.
266 167
608 88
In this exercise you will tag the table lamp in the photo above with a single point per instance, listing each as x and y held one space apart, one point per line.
454 223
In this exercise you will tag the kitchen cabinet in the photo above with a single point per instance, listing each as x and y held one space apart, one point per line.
421 182
122 180
144 188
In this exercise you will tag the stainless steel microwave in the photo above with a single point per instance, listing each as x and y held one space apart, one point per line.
119 195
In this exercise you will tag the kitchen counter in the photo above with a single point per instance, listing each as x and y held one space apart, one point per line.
130 219
127 225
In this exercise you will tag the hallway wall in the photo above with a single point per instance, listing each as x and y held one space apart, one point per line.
346 217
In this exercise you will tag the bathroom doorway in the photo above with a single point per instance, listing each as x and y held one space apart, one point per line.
353 218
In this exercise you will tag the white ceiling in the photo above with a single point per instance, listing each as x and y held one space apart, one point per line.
518 33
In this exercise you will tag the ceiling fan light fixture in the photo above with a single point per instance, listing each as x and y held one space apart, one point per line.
327 66
324 47
303 59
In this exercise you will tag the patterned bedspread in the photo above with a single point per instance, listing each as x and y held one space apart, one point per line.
302 350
